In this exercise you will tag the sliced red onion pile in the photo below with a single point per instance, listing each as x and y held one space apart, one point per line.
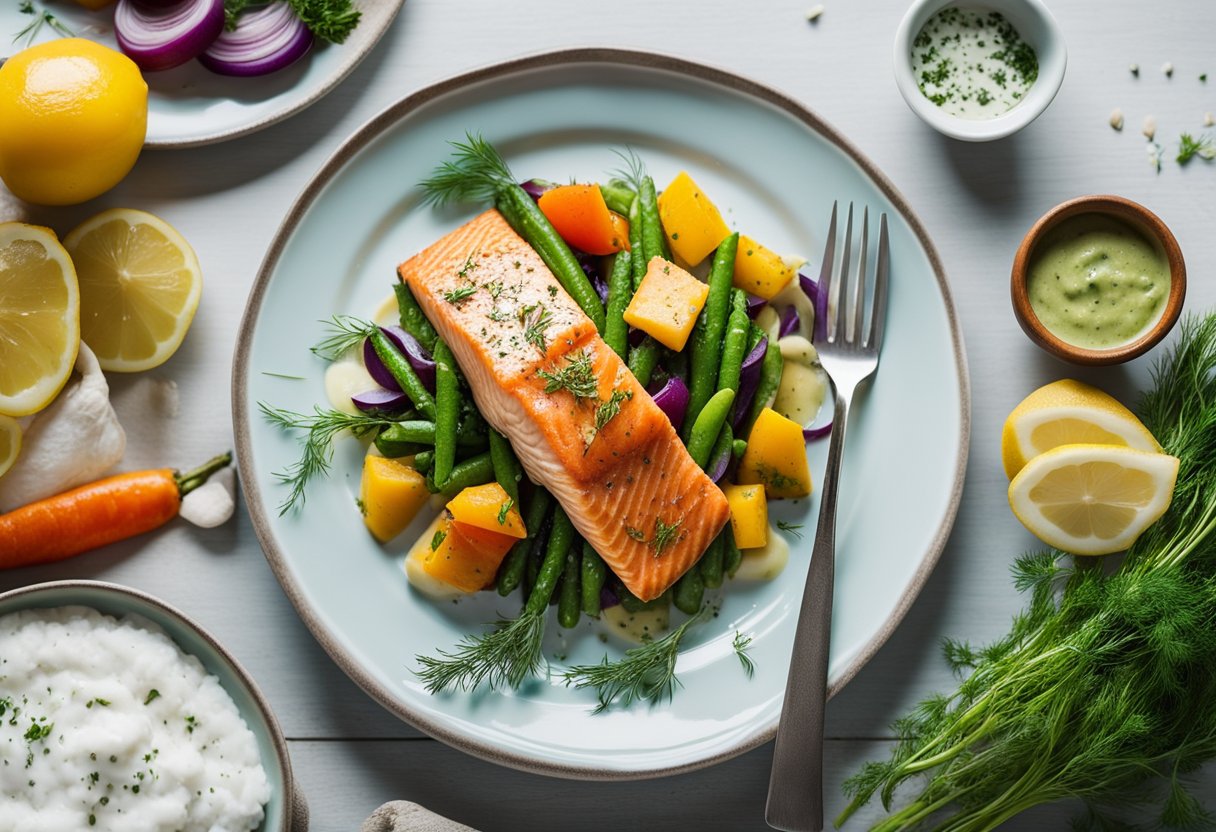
162 34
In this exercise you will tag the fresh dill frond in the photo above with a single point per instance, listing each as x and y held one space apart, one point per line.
741 643
504 510
345 332
577 376
460 295
1191 146
634 170
282 375
503 657
320 428
475 173
664 535
610 409
536 319
42 17
792 528
645 673
330 20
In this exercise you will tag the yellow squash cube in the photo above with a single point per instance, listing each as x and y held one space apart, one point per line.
667 303
390 494
760 270
465 556
776 457
692 223
748 515
488 507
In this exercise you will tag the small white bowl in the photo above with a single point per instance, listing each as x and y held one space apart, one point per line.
1036 26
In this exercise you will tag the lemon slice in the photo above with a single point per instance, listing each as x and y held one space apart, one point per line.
10 443
39 318
1092 499
1068 412
139 288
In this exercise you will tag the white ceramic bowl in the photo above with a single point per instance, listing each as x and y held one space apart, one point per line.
286 811
1036 26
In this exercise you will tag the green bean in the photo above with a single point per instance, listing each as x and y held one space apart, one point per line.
412 318
423 460
738 448
642 360
654 241
398 438
638 261
617 197
594 573
770 379
476 470
401 370
447 412
561 538
722 445
512 571
506 466
754 334
732 557
620 292
710 330
570 594
709 423
525 217
712 563
690 590
734 344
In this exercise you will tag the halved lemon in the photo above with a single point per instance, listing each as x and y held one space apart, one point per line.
1092 499
39 318
10 443
140 285
1069 412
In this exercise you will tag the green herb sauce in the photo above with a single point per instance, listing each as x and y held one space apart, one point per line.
1097 282
973 64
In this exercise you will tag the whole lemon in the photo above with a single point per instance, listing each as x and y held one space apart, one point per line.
73 115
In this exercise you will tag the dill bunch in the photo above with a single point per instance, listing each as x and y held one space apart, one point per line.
1104 689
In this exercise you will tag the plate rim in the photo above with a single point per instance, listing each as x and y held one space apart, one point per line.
373 129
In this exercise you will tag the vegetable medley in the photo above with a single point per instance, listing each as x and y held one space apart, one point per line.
727 358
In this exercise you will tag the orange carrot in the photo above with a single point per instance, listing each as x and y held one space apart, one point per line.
580 215
96 514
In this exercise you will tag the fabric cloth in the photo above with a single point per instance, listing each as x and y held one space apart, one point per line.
403 816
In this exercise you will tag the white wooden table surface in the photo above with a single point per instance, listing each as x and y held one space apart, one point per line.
975 200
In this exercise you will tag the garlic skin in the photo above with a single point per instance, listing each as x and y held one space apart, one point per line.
75 440
1116 119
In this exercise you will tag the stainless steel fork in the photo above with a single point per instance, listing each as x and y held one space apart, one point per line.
849 355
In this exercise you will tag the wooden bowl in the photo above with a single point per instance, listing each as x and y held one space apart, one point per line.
1138 217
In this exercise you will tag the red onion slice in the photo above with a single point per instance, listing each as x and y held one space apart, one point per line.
265 40
672 399
811 434
754 305
789 322
819 302
749 381
408 346
159 35
374 401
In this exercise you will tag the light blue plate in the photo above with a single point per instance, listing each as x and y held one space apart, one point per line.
774 169
189 105
286 811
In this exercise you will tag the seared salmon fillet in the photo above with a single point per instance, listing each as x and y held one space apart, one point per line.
579 421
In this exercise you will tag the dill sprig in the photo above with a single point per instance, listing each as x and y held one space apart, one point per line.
345 333
634 170
665 534
1105 685
503 657
793 528
42 17
610 409
1191 146
645 673
476 173
577 376
329 20
741 643
536 319
459 295
320 428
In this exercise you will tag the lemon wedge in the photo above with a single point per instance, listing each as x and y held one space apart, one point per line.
39 318
1068 412
10 443
140 285
1092 499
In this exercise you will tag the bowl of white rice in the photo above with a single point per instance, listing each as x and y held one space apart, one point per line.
117 712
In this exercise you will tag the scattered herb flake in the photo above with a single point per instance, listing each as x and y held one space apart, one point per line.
741 643
792 528
664 535
577 377
504 510
152 695
437 540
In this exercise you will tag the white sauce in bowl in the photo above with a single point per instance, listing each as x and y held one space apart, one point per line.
106 724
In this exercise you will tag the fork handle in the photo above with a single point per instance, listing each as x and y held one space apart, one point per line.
795 788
